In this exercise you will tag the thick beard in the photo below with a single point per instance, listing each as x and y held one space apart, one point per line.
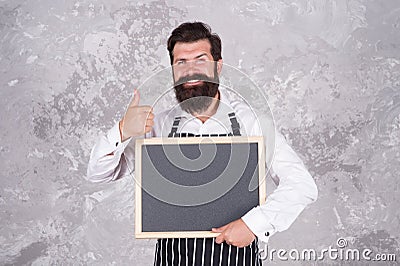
196 99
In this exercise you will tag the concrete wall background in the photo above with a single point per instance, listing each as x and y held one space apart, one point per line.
331 70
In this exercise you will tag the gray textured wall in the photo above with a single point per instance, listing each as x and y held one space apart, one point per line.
331 70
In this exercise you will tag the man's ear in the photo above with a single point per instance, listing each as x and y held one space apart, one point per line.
219 66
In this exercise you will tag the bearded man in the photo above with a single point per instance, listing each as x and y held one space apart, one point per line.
204 109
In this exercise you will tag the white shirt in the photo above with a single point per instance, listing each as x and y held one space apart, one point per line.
112 159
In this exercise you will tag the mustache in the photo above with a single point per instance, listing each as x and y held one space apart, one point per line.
196 99
201 77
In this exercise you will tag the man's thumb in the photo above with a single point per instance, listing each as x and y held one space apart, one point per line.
136 98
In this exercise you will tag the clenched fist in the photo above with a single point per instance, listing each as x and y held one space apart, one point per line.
137 120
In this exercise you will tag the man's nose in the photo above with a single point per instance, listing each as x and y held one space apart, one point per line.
190 68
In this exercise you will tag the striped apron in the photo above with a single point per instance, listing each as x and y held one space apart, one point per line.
204 251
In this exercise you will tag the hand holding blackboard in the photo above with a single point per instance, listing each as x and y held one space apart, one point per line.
235 233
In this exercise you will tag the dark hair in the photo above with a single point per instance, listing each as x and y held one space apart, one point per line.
192 32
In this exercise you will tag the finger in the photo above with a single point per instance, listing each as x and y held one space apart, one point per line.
149 123
219 239
136 98
220 229
147 129
141 108
150 116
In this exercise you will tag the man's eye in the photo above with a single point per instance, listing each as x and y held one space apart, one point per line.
200 61
180 62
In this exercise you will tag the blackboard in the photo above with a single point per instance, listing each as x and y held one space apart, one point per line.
186 186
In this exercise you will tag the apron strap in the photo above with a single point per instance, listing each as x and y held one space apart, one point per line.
174 128
234 125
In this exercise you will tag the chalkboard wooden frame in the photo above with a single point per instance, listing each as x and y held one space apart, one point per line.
140 143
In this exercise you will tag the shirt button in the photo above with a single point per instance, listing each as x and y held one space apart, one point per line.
116 144
267 234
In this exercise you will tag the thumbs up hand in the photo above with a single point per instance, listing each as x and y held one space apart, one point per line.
137 120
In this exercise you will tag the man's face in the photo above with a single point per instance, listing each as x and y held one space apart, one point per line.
195 75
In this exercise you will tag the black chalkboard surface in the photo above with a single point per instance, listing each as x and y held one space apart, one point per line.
186 186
